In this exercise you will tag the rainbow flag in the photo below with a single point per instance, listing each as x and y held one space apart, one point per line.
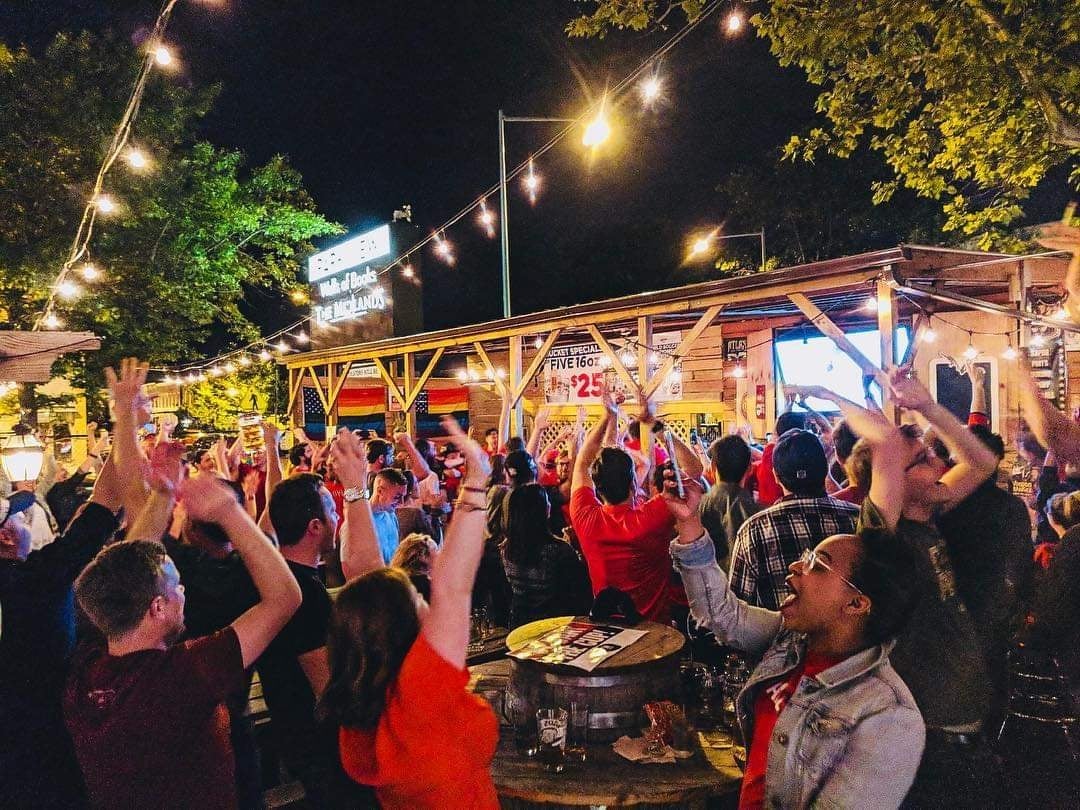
447 400
362 401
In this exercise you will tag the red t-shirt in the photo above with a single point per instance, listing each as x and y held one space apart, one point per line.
434 742
626 547
151 729
851 494
660 455
337 492
769 491
768 705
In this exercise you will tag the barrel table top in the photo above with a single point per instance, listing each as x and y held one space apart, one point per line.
660 641
605 778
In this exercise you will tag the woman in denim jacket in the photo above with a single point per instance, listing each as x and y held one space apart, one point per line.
827 721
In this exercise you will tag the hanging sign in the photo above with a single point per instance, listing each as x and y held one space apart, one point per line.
576 374
734 349
345 284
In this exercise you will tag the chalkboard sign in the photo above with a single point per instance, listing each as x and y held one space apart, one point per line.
952 388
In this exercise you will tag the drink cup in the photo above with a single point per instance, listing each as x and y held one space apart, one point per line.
579 731
551 727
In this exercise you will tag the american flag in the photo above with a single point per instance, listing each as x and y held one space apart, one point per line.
313 409
421 403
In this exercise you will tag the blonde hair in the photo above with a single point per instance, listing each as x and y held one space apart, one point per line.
414 554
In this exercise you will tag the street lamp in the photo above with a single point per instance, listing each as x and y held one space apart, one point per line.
702 245
596 132
22 455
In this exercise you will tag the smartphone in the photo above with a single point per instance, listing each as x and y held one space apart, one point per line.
669 442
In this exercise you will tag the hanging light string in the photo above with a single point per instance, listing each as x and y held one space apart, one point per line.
262 345
62 285
437 237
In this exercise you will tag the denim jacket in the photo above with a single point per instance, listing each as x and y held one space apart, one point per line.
849 737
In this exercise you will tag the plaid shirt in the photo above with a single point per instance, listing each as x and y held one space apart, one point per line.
770 541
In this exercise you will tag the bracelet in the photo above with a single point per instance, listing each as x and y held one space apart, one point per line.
93 455
480 490
467 506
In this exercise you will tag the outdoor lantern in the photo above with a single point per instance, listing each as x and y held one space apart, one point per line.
22 455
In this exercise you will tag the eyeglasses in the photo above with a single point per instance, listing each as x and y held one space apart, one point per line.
810 559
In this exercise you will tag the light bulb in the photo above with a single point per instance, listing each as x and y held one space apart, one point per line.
51 321
1060 315
463 375
67 289
136 159
163 56
407 271
104 203
971 352
1009 353
264 355
650 89
738 372
301 337
487 219
216 371
701 246
654 357
245 360
298 296
531 181
538 342
1037 340
929 336
444 249
500 373
871 304
90 272
232 392
596 132
282 346
230 368
733 23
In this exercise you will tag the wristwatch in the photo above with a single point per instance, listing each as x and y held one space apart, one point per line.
353 494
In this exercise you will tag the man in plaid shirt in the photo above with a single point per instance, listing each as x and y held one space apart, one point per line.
770 541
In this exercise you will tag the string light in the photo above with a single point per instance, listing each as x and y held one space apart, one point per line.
68 289
216 371
463 375
264 355
734 22
538 343
51 321
230 368
245 360
1009 353
487 219
871 304
301 338
1061 314
299 296
1037 340
90 272
738 372
282 346
407 271
597 131
650 89
700 246
531 181
500 373
654 358
163 56
443 249
928 335
232 392
136 159
104 203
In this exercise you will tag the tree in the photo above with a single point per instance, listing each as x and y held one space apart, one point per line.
216 403
971 102
192 236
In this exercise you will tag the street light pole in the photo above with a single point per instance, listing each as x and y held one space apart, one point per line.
504 205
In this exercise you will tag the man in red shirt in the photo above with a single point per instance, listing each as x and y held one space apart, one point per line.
625 543
768 487
147 716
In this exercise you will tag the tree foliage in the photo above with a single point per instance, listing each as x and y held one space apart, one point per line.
216 403
970 102
192 235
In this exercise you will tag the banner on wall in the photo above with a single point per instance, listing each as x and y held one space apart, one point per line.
576 374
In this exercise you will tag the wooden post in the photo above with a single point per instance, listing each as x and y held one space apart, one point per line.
886 317
331 411
645 341
827 327
410 381
517 412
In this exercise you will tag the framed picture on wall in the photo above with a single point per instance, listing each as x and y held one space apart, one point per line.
951 386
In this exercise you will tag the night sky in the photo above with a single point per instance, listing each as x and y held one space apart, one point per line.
383 103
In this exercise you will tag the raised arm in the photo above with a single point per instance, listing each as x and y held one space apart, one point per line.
130 408
446 625
975 462
540 424
271 437
221 458
977 374
887 463
165 474
712 602
590 448
419 463
359 541
208 499
1054 430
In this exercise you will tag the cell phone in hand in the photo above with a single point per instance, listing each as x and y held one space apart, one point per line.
669 442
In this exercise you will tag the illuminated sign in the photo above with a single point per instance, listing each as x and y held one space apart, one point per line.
349 254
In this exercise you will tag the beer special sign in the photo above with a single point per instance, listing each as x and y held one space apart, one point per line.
576 374
345 283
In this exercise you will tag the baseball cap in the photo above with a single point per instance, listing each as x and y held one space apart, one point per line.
17 502
799 462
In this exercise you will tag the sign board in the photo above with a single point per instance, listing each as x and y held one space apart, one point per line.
576 374
366 371
735 350
351 253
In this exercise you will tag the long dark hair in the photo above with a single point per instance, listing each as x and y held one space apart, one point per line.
372 627
527 524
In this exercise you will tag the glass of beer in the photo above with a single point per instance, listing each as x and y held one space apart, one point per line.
579 731
551 725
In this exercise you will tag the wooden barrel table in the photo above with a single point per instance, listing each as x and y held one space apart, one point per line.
615 691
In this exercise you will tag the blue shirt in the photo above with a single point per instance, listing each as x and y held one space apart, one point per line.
386 527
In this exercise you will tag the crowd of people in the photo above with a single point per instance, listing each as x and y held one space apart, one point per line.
877 577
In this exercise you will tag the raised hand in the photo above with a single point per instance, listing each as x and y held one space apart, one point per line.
685 508
271 436
166 469
128 400
349 455
907 391
478 468
977 374
208 498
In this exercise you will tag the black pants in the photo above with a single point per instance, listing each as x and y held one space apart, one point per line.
956 772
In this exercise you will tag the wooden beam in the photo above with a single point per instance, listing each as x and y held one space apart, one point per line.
330 419
296 381
500 384
703 323
335 392
517 412
886 318
534 366
645 342
616 363
831 330
389 380
414 392
318 388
